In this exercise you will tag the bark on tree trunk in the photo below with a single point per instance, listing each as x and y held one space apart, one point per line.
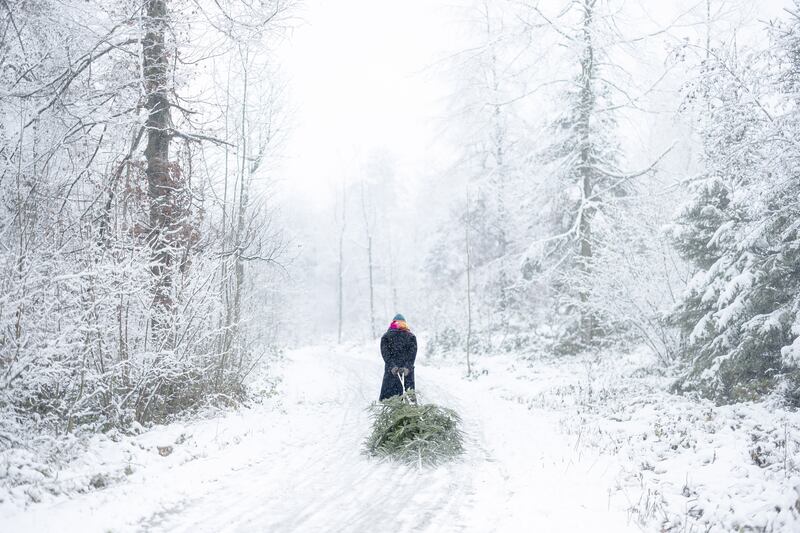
469 286
587 106
368 228
371 289
341 262
161 186
244 198
227 317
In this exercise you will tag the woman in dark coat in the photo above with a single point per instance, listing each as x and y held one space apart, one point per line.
399 350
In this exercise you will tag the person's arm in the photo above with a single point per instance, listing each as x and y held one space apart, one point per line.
385 350
412 352
389 355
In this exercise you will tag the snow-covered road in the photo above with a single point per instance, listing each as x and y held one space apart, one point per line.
300 468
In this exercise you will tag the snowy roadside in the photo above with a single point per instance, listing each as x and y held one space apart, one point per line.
552 445
46 471
296 465
684 464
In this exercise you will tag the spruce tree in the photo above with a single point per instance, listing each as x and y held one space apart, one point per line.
582 166
740 230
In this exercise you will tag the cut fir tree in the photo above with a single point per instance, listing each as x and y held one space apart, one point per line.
411 433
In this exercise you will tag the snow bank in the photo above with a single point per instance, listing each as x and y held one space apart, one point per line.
49 471
550 445
684 464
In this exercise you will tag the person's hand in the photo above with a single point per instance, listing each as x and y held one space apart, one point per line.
395 370
404 371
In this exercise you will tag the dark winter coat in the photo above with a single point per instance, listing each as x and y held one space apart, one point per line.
399 349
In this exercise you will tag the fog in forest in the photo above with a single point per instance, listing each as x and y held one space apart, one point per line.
580 214
407 109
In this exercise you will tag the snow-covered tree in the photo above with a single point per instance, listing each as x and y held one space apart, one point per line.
486 186
740 230
582 167
109 312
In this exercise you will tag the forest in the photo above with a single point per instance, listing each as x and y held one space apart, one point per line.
195 195
129 211
612 177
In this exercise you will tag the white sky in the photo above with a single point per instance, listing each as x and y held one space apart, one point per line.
362 77
359 81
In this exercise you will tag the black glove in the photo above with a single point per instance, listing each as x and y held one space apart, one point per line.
404 371
394 370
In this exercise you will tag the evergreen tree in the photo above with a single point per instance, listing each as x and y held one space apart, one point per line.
487 176
740 230
582 167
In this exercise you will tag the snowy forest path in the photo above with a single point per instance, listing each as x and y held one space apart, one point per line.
317 479
517 474
297 466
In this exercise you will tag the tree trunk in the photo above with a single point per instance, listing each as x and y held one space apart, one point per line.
371 288
392 285
224 287
244 198
469 286
340 293
368 229
587 108
161 186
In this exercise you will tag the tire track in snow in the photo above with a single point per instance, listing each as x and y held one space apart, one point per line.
325 483
396 497
311 474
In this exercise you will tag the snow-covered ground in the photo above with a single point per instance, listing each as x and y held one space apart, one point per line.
684 465
296 465
565 445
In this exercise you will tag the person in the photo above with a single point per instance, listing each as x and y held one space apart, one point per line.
399 350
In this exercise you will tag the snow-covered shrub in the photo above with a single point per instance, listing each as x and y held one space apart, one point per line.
685 463
120 297
445 341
